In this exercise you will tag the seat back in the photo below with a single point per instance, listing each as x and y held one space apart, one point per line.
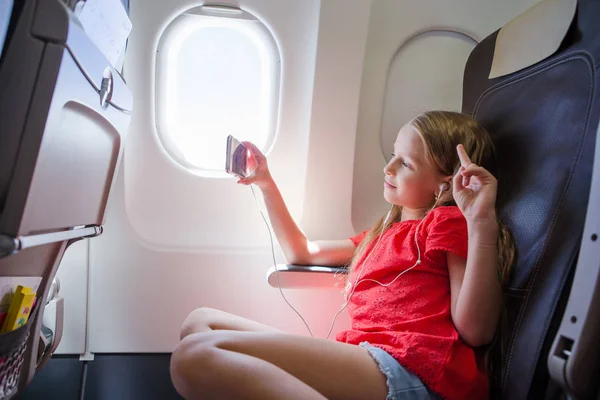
543 119
61 140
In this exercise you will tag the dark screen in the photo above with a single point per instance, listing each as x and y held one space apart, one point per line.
240 155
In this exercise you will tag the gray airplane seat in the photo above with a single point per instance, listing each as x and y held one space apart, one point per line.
64 113
533 84
544 119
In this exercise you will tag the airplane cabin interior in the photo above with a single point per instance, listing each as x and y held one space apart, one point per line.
119 216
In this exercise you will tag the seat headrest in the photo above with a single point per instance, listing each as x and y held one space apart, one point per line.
532 36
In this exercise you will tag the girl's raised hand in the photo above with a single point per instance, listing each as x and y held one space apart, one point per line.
257 165
474 189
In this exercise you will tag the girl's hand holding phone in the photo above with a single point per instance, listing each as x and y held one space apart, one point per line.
258 169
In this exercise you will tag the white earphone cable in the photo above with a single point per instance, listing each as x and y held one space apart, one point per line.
363 266
275 262
358 280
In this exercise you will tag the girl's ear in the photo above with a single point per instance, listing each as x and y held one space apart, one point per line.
446 184
444 187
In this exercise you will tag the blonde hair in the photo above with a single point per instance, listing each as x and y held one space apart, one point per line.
441 132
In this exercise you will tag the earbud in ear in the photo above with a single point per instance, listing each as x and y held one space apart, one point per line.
444 186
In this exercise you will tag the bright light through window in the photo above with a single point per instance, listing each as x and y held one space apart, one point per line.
216 76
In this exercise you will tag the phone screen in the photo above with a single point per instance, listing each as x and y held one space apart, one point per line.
240 157
237 158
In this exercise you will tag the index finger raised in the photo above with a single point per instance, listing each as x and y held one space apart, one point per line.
465 161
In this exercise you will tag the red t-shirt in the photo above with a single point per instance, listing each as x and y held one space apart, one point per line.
411 318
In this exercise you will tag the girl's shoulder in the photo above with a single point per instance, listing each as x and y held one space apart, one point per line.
439 220
445 218
445 212
446 232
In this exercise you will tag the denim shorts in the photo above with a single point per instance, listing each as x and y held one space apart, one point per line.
402 384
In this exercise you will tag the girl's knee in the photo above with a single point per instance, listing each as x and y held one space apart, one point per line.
193 364
197 321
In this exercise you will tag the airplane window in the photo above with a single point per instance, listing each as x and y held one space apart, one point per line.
217 74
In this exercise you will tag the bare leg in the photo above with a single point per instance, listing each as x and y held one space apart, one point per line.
229 364
206 319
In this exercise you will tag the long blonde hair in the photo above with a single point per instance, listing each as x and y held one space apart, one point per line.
441 132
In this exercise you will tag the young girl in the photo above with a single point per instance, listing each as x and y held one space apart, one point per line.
413 336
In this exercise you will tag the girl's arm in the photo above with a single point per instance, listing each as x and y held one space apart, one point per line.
476 294
296 247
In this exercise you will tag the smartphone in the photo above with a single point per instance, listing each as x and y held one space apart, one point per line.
236 162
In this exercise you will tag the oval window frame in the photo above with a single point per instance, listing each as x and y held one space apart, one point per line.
249 23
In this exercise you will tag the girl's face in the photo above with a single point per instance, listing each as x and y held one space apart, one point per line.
411 181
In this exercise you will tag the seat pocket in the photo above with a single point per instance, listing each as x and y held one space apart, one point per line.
13 346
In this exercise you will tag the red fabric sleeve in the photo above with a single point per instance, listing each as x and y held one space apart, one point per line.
447 232
358 238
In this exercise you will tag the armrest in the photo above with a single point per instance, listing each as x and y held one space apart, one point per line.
306 276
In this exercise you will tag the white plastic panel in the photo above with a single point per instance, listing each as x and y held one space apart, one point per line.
414 61
73 276
438 58
139 297
343 31
216 74
170 208
174 241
